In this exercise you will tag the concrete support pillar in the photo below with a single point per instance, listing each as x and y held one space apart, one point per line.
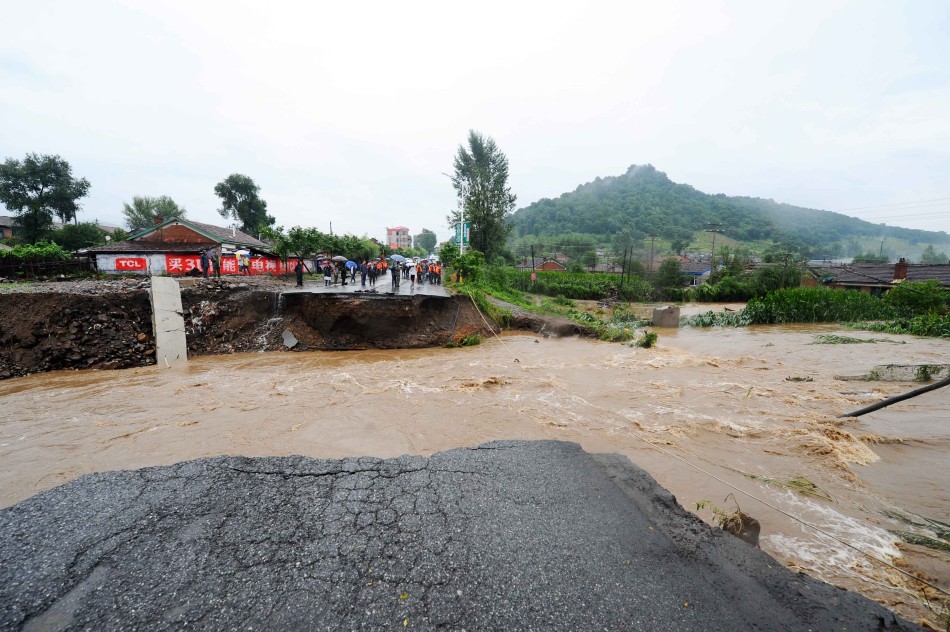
668 316
168 324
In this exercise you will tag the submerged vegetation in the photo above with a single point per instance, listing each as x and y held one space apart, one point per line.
918 309
832 339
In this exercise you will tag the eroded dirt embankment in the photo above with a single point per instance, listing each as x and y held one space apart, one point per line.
47 331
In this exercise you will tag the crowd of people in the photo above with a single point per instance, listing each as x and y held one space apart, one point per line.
369 272
343 272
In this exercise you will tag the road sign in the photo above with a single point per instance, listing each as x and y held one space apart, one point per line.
462 235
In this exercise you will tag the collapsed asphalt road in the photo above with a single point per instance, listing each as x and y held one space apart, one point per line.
506 536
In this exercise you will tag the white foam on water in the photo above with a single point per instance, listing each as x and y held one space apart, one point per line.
822 555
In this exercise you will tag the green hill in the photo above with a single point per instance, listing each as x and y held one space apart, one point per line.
644 201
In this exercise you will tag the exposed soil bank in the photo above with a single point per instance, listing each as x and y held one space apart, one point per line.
48 331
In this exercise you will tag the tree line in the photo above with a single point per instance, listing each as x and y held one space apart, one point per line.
644 201
41 188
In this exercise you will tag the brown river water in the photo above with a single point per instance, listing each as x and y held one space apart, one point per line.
716 398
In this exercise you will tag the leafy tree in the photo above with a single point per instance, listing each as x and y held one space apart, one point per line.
140 214
449 253
669 274
481 182
470 265
426 240
679 244
769 278
240 200
82 235
929 255
38 188
728 262
589 259
921 297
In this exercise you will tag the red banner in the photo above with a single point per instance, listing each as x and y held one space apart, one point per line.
183 264
131 263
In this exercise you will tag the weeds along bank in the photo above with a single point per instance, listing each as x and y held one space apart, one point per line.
919 309
109 326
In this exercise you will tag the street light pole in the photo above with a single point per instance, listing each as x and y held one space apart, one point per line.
461 226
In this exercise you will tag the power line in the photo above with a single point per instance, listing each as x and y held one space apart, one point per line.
860 208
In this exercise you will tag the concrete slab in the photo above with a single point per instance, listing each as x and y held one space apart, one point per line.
168 324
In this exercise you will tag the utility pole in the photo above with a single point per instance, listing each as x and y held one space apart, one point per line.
713 228
785 269
652 237
532 257
623 268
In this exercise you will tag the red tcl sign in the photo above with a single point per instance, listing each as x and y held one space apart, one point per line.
131 263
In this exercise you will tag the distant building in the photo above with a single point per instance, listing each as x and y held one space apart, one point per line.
398 237
878 279
6 226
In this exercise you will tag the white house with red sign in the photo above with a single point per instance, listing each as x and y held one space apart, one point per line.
174 247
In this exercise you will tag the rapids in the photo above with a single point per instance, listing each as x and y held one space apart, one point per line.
718 399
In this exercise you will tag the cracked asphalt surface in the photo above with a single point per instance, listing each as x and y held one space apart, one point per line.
506 536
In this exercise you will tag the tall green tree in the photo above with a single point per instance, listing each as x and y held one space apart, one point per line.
240 200
426 240
481 183
140 214
669 275
37 189
449 253
930 255
82 235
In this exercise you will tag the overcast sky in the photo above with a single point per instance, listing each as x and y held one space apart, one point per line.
350 112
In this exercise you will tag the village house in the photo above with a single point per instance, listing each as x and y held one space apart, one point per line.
174 246
6 226
878 279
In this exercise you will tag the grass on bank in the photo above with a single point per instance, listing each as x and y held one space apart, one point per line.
621 326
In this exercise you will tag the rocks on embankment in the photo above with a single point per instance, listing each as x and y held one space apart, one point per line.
46 332
110 330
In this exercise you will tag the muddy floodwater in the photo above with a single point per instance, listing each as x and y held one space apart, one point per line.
705 404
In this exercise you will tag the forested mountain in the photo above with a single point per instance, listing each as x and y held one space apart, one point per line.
644 201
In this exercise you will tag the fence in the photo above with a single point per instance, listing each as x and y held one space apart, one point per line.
16 268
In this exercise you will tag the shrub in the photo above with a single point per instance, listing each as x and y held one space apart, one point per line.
815 305
41 250
911 298
579 286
